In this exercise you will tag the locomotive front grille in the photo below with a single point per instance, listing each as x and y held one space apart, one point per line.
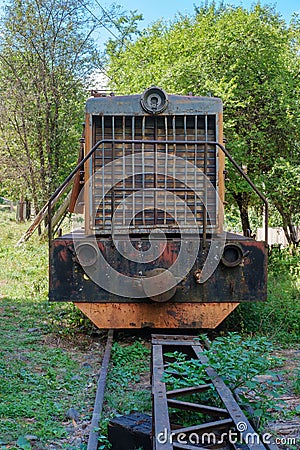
144 191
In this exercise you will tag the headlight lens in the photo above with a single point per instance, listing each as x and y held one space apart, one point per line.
154 100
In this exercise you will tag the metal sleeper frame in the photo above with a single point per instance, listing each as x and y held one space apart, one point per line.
231 416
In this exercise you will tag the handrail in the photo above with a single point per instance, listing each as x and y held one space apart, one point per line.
261 196
154 141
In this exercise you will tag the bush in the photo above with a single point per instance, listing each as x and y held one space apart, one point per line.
279 316
244 363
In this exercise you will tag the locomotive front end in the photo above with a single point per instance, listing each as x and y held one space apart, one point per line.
149 247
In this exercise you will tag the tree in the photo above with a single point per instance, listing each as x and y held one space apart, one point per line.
283 182
249 59
46 53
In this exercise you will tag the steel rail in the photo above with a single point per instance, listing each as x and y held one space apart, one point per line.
94 427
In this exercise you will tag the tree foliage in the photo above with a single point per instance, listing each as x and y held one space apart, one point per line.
249 58
45 54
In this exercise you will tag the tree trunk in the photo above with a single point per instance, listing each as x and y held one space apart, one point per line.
242 199
290 230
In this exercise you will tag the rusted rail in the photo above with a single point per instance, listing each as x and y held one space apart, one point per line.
94 433
225 427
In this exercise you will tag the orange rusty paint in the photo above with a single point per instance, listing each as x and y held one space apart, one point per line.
159 315
87 169
221 176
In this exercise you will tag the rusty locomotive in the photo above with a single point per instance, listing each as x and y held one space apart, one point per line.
149 247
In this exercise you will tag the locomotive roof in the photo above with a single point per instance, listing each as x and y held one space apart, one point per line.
131 105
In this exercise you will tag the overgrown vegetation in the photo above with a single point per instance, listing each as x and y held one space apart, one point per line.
41 379
250 59
130 365
43 365
43 370
48 59
279 317
244 364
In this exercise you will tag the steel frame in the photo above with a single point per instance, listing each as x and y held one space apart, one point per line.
229 417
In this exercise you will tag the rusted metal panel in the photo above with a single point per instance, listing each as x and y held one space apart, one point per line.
244 282
131 104
158 315
122 119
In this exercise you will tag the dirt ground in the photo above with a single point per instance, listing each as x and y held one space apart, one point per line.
287 426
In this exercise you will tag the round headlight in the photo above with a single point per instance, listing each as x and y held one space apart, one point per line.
87 254
232 255
154 100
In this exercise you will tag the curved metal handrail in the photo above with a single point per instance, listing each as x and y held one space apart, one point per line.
161 142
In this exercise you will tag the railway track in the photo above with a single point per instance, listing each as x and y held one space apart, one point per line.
222 427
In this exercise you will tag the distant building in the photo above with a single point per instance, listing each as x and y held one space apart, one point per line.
275 236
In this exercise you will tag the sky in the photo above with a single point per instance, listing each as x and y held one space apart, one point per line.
155 9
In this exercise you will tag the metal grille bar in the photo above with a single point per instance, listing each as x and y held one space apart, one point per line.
47 208
179 136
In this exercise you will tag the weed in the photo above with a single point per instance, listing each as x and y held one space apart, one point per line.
125 388
241 362
278 317
296 383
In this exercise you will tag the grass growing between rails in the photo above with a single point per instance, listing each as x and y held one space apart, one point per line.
243 363
130 366
43 373
128 384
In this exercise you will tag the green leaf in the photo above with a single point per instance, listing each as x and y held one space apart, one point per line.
23 443
258 413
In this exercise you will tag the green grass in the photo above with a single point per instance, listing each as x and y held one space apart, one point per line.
41 372
278 317
128 381
130 364
241 362
296 384
43 346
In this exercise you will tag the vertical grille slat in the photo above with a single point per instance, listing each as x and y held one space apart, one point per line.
152 208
